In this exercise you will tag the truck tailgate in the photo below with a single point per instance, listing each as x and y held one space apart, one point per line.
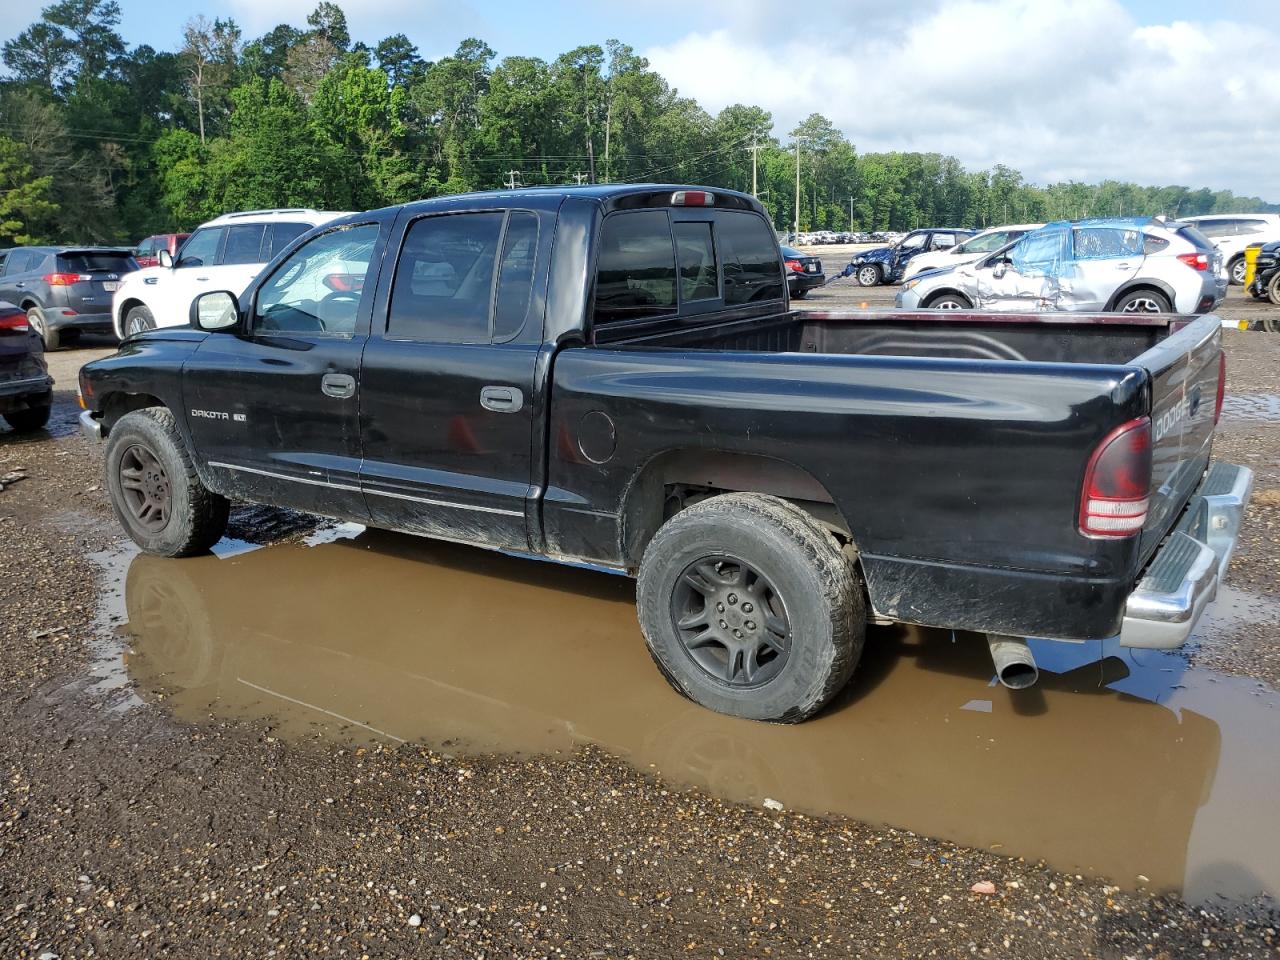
1184 371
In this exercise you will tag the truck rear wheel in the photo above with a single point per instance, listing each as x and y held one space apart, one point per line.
750 608
155 489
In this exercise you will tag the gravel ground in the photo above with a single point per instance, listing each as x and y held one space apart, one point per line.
125 833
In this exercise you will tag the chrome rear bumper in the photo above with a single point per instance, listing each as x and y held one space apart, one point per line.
1183 577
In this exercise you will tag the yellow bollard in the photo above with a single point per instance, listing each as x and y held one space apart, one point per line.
1250 261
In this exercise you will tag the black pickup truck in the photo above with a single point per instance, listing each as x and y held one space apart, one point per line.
611 376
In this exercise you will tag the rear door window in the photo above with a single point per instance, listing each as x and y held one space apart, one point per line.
17 262
279 235
1106 243
749 258
244 243
443 284
515 275
636 268
942 241
697 255
1215 228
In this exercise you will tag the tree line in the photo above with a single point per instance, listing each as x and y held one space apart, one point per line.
104 142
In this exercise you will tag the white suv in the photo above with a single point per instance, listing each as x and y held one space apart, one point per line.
223 254
1231 233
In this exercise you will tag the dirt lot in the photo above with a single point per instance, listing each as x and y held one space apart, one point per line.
354 744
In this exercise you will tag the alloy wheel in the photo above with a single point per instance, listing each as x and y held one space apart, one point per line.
145 489
731 621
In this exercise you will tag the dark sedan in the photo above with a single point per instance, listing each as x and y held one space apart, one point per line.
26 389
803 272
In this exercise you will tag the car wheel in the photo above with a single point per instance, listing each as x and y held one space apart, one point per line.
949 301
1273 289
750 608
138 320
868 276
799 294
1143 301
35 318
155 490
30 419
1236 270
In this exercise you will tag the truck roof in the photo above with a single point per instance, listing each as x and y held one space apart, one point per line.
604 193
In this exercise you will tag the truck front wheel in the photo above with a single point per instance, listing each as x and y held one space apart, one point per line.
750 608
155 489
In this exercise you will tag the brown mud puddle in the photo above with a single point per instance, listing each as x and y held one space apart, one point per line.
1125 764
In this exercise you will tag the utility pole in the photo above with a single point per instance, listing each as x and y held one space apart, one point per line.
511 179
755 180
579 177
797 217
851 214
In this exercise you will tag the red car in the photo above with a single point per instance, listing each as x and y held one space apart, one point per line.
147 253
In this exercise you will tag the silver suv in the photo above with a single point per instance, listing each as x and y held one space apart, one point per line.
1127 265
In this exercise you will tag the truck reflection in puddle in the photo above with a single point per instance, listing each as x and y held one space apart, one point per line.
1119 766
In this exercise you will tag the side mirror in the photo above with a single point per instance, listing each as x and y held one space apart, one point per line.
1000 268
215 310
165 258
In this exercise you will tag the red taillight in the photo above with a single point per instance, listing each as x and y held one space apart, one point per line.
1196 261
17 322
345 282
65 279
1222 387
693 198
795 265
1113 502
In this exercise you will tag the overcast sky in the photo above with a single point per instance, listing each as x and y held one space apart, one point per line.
1155 92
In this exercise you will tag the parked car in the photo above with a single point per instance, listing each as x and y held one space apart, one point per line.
803 272
26 389
1135 265
1266 273
611 376
969 250
1232 233
887 264
64 290
225 253
147 253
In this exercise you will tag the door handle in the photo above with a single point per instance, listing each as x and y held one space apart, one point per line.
502 399
1122 266
20 285
340 386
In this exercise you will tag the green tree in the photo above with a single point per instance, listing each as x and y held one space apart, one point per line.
25 200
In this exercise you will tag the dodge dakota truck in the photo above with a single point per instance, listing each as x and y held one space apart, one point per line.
612 376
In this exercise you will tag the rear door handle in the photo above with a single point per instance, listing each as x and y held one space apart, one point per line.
20 285
502 399
340 386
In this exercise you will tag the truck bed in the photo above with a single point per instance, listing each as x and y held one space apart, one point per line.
1038 337
951 446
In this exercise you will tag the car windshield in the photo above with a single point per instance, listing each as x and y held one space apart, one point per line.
987 242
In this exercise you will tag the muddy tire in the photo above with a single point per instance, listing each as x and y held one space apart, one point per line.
749 608
51 338
1273 288
868 275
155 490
29 420
799 294
1143 301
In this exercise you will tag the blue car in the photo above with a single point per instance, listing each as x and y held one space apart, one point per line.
887 264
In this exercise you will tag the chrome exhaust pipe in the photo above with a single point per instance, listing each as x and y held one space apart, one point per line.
1015 666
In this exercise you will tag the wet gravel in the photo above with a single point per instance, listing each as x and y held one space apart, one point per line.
124 833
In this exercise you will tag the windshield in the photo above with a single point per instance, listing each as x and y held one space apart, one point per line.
987 242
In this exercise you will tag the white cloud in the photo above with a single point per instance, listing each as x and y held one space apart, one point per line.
1055 88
